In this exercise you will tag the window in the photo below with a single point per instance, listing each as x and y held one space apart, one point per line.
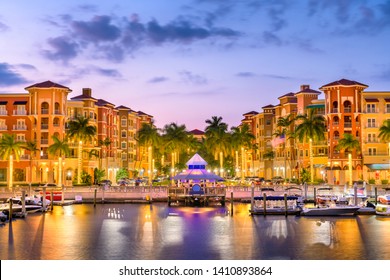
123 134
123 121
371 137
268 122
372 151
388 108
3 110
21 137
123 145
124 157
371 108
371 123
307 152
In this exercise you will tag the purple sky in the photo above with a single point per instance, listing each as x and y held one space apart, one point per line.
187 60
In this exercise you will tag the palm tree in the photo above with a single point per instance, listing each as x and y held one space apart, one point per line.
105 143
242 139
384 131
175 139
284 124
348 143
217 138
32 147
59 148
311 128
81 131
10 148
149 138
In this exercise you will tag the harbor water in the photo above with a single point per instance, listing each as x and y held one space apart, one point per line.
158 232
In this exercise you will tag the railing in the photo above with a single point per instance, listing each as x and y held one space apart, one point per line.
371 111
44 126
2 128
3 113
20 112
57 112
335 110
44 141
44 156
25 157
19 127
347 110
44 111
372 125
335 123
348 124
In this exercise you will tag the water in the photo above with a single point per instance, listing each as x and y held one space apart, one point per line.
144 232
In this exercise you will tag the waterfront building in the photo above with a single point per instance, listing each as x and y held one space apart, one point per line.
43 111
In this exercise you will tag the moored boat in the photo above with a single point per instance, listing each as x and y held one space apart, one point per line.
382 210
384 199
330 210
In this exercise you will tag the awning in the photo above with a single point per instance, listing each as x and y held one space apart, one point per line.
378 166
315 106
387 100
3 102
372 100
336 168
20 102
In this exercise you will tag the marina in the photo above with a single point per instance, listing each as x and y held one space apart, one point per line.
156 231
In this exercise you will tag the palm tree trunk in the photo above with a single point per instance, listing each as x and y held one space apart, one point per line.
311 160
79 162
60 171
11 171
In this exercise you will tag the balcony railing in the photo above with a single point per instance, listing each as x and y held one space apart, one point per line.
335 110
347 124
44 126
25 157
371 125
19 127
44 156
44 111
20 112
372 111
3 127
3 113
347 110
57 112
44 141
336 123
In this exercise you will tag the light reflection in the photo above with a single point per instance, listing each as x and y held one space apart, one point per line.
278 229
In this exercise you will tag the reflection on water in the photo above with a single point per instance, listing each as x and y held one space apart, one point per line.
125 231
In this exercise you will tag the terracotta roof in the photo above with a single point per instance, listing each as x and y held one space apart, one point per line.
290 94
344 82
371 99
121 107
309 90
47 84
196 132
82 97
268 106
251 113
142 113
102 102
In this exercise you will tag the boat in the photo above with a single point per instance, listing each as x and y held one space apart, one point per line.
384 199
32 204
330 205
382 210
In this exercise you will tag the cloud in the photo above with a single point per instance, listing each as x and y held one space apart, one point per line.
246 74
190 78
63 48
98 29
271 39
104 37
3 27
278 77
156 80
9 77
108 72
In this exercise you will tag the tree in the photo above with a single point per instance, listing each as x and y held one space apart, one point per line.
175 139
81 131
32 147
242 139
122 174
98 175
311 128
348 143
106 144
384 131
149 138
284 125
217 138
59 148
10 148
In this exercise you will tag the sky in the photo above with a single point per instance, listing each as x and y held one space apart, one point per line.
185 61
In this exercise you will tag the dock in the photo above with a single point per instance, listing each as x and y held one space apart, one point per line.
202 196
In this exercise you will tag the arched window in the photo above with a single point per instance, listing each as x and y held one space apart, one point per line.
56 122
57 107
347 106
335 120
336 135
45 108
335 107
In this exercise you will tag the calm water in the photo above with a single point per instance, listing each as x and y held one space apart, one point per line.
129 231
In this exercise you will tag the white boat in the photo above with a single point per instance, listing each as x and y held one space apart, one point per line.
384 199
32 204
382 209
330 210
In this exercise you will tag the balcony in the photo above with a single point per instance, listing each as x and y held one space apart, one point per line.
335 110
25 157
44 126
44 111
3 113
20 112
44 156
348 110
335 123
57 112
19 127
3 128
371 125
347 124
44 141
371 111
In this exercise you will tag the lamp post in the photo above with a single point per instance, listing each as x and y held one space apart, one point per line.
311 161
350 168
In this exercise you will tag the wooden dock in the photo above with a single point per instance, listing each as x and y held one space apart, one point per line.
205 196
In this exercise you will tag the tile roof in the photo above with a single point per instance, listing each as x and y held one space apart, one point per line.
196 132
344 82
309 90
268 106
251 113
82 97
121 107
102 102
47 84
290 94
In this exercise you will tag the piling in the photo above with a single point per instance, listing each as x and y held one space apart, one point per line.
23 203
52 201
169 200
231 203
94 197
315 196
44 199
265 204
10 209
63 195
103 187
252 197
285 205
376 195
355 195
